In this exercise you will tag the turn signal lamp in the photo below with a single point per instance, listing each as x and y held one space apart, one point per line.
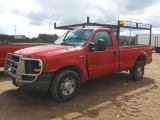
45 68
37 70
83 26
121 22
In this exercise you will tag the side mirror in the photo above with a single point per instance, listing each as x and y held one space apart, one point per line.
101 46
90 47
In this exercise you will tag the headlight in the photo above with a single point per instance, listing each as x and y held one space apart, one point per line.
39 64
33 66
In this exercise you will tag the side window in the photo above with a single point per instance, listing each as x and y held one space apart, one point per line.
102 35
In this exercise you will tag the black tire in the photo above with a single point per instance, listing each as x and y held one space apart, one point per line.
137 71
65 85
14 82
157 49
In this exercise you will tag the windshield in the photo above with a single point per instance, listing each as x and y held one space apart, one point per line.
74 38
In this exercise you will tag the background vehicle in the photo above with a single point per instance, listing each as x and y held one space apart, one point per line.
77 56
11 48
144 39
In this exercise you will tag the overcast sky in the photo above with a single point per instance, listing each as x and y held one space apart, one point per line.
32 17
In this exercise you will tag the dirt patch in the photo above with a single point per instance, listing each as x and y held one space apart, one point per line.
110 97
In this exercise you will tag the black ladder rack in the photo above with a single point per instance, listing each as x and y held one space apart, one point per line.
115 28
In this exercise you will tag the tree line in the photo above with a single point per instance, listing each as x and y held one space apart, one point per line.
42 38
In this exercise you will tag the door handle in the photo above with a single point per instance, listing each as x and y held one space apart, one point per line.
115 53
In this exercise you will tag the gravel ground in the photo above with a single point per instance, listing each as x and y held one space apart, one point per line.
108 98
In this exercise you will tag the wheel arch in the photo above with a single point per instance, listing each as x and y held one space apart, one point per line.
74 68
142 58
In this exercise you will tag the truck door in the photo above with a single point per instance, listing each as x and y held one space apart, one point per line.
103 62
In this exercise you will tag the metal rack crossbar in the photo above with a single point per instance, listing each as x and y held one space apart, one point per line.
115 28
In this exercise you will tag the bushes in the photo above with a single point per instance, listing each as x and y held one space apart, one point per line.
42 38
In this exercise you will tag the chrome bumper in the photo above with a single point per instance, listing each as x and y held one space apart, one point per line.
15 66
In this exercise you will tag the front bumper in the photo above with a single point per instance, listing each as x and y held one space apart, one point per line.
23 68
23 71
41 85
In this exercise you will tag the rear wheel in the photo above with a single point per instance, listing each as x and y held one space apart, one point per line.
158 51
137 71
65 85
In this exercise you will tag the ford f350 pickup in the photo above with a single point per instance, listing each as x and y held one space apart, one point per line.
77 56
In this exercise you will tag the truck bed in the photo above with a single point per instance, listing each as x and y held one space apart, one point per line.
129 53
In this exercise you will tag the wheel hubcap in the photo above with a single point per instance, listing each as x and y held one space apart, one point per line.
68 86
139 71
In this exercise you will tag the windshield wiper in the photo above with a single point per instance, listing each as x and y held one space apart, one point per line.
67 44
74 38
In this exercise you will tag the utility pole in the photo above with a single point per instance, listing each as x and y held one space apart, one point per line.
130 34
49 27
15 29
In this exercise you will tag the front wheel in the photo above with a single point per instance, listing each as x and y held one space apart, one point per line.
137 71
65 85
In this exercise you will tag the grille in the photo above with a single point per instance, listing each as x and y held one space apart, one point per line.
11 64
14 59
22 68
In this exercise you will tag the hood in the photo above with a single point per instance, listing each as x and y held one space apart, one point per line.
41 52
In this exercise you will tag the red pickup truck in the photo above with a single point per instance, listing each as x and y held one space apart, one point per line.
12 47
77 56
